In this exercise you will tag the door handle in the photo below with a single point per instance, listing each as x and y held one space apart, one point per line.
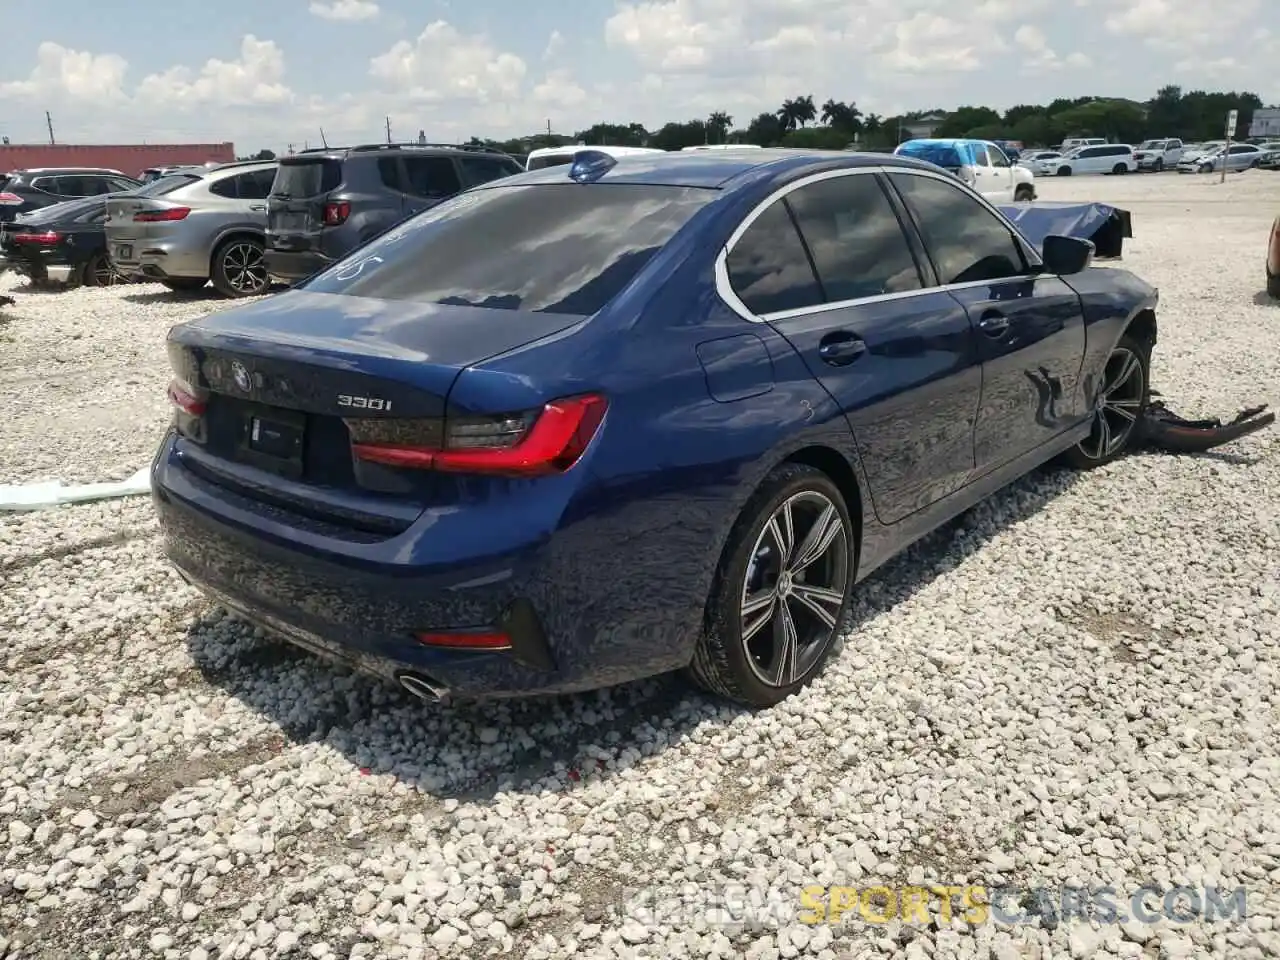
258 207
994 324
838 349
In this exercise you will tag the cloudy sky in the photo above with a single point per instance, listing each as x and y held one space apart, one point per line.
266 73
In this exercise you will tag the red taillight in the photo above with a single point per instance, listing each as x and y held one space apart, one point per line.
161 216
466 640
503 446
186 398
46 239
336 213
10 200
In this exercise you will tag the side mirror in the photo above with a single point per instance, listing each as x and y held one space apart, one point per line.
1066 255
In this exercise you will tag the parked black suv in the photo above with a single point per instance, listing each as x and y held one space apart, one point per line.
23 190
326 202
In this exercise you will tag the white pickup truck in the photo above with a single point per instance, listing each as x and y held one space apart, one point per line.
1158 155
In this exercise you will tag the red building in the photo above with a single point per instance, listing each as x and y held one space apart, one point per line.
130 160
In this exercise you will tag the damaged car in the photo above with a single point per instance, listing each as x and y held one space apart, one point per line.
670 423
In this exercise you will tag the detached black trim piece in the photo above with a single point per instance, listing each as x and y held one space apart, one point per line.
528 639
1163 429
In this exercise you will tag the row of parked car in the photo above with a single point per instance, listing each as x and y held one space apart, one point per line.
1084 156
235 225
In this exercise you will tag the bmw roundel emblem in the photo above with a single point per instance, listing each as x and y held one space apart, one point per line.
241 376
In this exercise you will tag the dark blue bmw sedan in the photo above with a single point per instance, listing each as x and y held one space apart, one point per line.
621 417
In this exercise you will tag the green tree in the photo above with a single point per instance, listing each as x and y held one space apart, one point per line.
845 117
964 119
718 125
766 130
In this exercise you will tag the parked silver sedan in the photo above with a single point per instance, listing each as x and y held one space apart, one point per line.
1242 156
196 226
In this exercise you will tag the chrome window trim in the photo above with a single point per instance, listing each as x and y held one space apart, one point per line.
725 289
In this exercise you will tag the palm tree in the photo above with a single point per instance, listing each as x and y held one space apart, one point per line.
718 125
845 117
806 112
789 115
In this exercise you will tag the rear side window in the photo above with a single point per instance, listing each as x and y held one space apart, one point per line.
480 170
254 185
768 267
966 240
299 179
566 249
434 178
856 241
389 173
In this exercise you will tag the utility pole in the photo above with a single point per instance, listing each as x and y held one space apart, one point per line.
388 129
49 123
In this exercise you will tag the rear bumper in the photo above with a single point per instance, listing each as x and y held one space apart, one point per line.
292 266
37 268
161 259
566 614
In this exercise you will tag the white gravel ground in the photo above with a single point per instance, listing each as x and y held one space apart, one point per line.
1075 685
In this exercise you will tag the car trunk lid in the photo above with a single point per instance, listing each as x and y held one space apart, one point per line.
296 209
278 395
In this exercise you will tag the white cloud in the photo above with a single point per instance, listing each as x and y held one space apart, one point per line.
255 77
443 65
345 10
74 74
555 43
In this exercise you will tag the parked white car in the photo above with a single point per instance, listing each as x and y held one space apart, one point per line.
1099 158
1240 156
556 156
1158 155
1075 143
1037 161
979 163
1196 150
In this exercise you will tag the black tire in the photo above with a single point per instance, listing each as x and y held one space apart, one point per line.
185 284
726 665
1122 401
1273 284
240 268
1206 168
1119 169
1254 165
98 272
1158 166
1022 193
1064 171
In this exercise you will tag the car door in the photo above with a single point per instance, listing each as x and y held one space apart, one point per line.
831 269
981 166
1002 184
428 181
242 199
1030 325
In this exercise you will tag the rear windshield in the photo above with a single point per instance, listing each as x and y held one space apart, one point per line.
71 209
551 160
554 248
306 178
158 188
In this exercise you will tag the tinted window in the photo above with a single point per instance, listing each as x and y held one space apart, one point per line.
306 178
554 249
71 209
856 241
966 241
998 159
256 185
389 173
1089 152
484 169
768 267
980 156
431 177
116 185
1242 148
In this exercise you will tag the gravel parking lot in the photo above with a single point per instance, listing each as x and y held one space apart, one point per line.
1075 684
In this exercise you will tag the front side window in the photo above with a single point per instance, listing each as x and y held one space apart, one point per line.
854 237
998 159
556 248
768 267
966 241
480 170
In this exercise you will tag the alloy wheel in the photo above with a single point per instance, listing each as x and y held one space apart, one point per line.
245 267
1118 407
794 588
105 275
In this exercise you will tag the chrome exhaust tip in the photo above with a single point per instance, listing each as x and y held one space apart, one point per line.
424 688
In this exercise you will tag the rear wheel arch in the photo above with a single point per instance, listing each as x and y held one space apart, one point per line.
238 233
836 466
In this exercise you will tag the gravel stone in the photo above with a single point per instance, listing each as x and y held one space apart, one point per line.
1075 683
